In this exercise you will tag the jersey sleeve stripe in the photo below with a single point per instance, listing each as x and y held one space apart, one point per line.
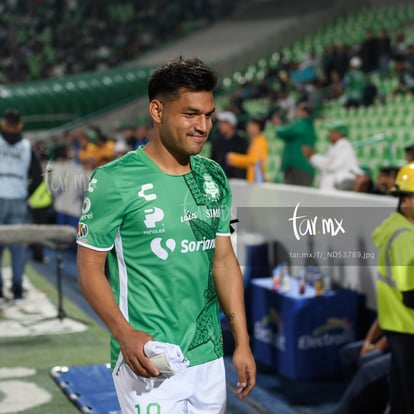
223 234
98 249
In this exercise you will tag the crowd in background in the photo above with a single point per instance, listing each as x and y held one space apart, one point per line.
238 141
296 89
341 71
37 37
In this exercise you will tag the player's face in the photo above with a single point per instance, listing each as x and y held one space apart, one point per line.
186 122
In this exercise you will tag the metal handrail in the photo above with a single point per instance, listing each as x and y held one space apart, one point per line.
380 137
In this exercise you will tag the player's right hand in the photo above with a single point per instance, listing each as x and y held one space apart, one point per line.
132 348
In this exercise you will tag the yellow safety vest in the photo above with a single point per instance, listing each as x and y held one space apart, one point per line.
392 279
41 197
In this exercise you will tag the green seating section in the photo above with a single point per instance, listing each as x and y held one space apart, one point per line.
350 30
394 118
50 103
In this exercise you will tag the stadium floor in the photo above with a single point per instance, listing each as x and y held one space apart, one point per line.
273 394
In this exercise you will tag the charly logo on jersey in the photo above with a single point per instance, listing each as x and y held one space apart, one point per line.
211 188
163 248
86 207
153 216
145 192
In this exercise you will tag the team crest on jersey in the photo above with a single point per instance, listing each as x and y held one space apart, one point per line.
211 188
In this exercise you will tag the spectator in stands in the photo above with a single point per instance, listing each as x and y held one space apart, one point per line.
236 106
311 59
328 62
296 168
339 166
405 76
401 45
409 153
141 135
286 105
128 136
312 93
335 89
341 59
105 149
134 136
410 56
228 140
285 83
278 75
88 150
120 148
369 93
384 52
256 158
354 83
20 175
369 52
366 366
384 183
43 31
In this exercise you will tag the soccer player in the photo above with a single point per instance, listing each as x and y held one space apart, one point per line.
160 217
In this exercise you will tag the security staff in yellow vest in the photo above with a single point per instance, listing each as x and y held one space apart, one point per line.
395 290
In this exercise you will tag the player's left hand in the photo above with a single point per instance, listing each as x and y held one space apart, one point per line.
246 370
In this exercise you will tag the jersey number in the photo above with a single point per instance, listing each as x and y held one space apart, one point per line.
153 408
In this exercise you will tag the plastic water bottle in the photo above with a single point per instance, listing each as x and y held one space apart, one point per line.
285 278
318 283
310 274
276 277
302 281
327 283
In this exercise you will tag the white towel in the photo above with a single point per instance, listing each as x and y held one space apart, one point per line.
168 358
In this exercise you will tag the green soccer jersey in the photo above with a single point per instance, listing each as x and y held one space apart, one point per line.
160 232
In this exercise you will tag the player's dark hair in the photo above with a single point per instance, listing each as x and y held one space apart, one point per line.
190 74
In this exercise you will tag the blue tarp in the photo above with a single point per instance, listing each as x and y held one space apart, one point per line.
89 387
